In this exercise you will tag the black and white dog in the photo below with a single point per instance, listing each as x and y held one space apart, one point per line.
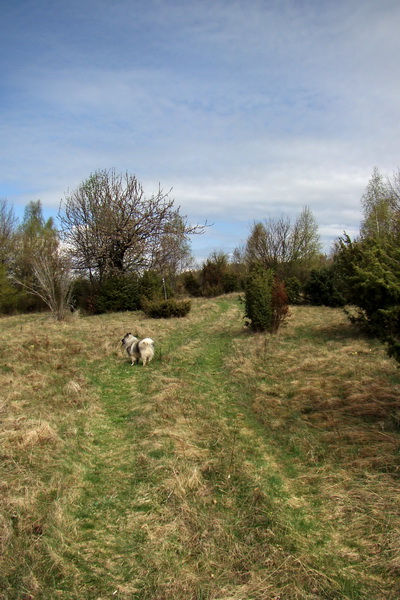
138 349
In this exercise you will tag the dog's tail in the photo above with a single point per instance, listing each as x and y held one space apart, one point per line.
146 343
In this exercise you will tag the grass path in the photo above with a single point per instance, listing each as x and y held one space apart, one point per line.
183 498
181 489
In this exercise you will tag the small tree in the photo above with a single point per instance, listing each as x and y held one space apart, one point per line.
8 224
290 250
379 208
370 269
40 266
258 299
213 273
173 254
191 283
52 281
266 300
294 290
114 294
153 286
9 294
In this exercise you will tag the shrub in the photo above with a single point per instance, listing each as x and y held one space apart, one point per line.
164 309
119 292
10 297
258 298
323 288
231 282
294 290
114 294
152 286
266 300
370 270
191 284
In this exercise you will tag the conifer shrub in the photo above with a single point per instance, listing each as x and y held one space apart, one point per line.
258 299
294 290
192 284
114 294
165 309
118 294
231 282
266 300
153 286
324 288
370 271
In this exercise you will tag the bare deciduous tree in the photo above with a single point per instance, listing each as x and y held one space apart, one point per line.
39 265
111 227
305 241
378 202
270 243
283 247
53 281
172 254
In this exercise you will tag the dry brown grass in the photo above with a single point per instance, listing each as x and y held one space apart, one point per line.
341 385
235 467
330 401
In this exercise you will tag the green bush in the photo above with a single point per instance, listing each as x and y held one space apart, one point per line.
118 294
266 300
294 290
370 271
323 288
153 286
114 294
258 299
231 283
165 309
10 297
192 284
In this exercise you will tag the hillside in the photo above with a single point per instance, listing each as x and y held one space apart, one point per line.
233 467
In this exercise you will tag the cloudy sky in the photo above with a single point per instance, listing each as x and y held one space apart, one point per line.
248 109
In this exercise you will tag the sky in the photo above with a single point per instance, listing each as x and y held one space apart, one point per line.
246 109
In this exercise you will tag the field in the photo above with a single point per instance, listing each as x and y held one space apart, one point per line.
234 467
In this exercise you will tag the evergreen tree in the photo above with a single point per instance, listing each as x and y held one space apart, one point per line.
370 270
259 314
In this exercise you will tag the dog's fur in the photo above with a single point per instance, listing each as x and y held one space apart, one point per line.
138 349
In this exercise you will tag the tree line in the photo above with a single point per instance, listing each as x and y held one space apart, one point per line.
110 239
116 249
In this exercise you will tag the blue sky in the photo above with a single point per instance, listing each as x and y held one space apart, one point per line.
248 109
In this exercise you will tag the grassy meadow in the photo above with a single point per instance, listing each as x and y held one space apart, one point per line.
234 467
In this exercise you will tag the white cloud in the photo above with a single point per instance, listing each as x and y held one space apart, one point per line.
245 109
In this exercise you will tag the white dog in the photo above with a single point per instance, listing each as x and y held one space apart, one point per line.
138 349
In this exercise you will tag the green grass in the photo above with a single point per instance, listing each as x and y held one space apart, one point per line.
233 467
